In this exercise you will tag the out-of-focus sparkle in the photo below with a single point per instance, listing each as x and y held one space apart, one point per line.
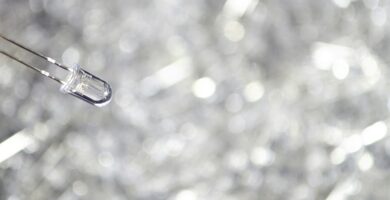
374 133
344 189
186 195
262 156
353 143
365 162
80 188
234 31
338 156
237 8
105 159
237 160
6 75
204 87
342 3
326 54
371 4
371 69
167 76
175 72
14 144
340 69
71 56
379 16
254 91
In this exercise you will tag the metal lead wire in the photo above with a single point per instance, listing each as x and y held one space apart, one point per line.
51 60
48 59
43 72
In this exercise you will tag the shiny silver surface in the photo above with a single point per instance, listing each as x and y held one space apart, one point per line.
236 99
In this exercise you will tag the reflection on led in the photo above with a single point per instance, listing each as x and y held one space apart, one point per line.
204 87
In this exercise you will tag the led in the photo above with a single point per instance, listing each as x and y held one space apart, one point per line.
78 83
87 87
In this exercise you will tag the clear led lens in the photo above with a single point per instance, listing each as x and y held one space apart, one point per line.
87 87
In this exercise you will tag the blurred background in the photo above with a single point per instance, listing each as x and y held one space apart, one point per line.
222 99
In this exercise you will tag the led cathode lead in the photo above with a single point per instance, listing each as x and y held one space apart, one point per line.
78 83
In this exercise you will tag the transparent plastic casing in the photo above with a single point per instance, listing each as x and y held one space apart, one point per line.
87 87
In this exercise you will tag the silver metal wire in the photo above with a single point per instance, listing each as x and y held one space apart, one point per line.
47 59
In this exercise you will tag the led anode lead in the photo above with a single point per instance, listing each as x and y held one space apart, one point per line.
78 83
